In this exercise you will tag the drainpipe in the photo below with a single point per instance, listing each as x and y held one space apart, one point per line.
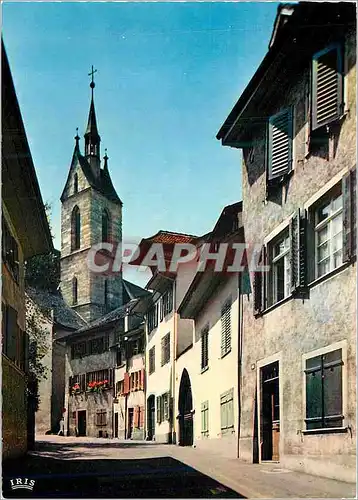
240 331
173 420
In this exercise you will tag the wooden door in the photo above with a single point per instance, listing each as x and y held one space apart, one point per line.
81 415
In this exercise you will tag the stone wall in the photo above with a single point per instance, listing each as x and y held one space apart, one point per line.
14 404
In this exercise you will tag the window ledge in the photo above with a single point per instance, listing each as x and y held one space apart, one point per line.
273 306
225 354
330 274
203 370
326 430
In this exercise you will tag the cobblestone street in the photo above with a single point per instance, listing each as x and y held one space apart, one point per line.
79 467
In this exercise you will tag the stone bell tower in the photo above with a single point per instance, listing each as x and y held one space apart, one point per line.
91 213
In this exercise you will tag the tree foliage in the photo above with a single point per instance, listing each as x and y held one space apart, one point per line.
38 348
43 271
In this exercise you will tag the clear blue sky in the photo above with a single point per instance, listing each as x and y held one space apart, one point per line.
168 74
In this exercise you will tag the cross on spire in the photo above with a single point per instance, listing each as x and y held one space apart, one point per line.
93 71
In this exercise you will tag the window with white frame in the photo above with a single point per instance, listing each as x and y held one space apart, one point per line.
328 233
280 268
324 390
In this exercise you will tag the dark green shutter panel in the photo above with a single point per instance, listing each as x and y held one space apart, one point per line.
327 85
11 333
298 252
280 144
349 216
158 409
260 284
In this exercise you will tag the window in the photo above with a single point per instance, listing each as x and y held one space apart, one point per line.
280 268
279 162
166 349
105 225
119 356
120 388
77 383
11 333
76 228
100 376
78 350
75 184
327 86
152 360
163 407
89 347
205 419
204 348
153 318
226 328
10 250
324 406
227 411
101 417
167 302
328 234
74 291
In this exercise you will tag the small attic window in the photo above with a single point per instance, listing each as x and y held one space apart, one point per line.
75 184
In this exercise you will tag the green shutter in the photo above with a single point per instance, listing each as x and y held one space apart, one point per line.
280 144
158 410
226 328
298 252
349 215
327 86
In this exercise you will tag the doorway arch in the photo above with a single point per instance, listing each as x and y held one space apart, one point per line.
185 407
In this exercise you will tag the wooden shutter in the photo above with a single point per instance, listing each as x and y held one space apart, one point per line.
259 284
126 383
141 419
136 416
4 311
142 379
226 327
280 144
204 347
327 86
298 252
349 189
12 329
158 409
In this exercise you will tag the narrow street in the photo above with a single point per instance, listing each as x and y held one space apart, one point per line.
65 467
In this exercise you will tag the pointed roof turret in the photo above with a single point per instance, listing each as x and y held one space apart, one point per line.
92 138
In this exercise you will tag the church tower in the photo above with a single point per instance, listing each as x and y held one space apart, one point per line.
91 213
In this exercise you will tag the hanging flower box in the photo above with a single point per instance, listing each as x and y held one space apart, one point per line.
97 386
76 389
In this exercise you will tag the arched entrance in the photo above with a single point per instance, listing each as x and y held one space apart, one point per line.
150 417
185 417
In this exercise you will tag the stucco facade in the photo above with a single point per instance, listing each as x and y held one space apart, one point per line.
220 376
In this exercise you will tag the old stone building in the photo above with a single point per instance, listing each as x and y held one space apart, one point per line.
94 353
25 233
91 213
296 125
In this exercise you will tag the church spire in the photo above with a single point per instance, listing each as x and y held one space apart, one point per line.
92 138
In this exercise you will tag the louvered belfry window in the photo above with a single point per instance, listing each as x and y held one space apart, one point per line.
327 88
280 144
226 328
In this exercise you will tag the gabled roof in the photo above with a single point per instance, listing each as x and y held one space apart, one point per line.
102 184
134 291
170 237
63 314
